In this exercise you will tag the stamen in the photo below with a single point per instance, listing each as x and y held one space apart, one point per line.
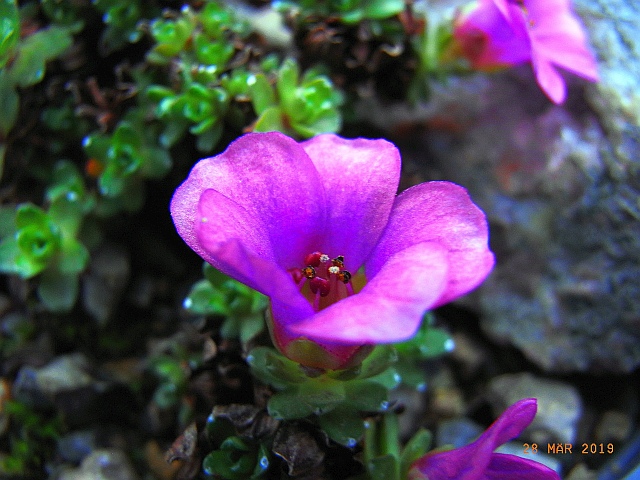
309 272
344 276
338 262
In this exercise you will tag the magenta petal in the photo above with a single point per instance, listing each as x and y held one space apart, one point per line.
511 423
390 307
568 54
360 178
493 36
443 213
471 461
549 79
271 177
512 467
237 244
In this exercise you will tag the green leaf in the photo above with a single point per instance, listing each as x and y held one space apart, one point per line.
383 468
274 369
215 276
74 257
366 395
235 460
35 50
307 398
205 299
171 35
262 96
9 29
250 327
58 291
382 357
343 425
287 405
67 215
214 54
287 83
415 448
270 121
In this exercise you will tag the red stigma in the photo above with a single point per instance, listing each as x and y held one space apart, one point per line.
319 285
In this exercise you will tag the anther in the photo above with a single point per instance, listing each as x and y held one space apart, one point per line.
319 285
344 276
309 272
313 259
338 261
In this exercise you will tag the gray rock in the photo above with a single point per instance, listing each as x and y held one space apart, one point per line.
105 281
457 432
559 405
38 387
75 446
582 472
105 464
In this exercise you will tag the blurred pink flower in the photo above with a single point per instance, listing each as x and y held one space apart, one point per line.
500 33
477 461
317 227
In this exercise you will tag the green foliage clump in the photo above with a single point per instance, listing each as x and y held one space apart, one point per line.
298 106
337 398
218 295
236 458
23 62
38 242
127 157
122 19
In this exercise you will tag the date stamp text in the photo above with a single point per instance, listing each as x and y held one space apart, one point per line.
563 448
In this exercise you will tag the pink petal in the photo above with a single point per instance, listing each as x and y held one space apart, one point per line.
569 55
512 467
443 213
390 307
547 9
558 36
550 81
360 178
271 177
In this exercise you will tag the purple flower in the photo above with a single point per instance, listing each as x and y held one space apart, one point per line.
317 227
477 461
499 33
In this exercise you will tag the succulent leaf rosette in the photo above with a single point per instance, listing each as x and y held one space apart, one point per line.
317 227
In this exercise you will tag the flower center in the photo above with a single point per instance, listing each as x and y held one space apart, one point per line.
324 280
